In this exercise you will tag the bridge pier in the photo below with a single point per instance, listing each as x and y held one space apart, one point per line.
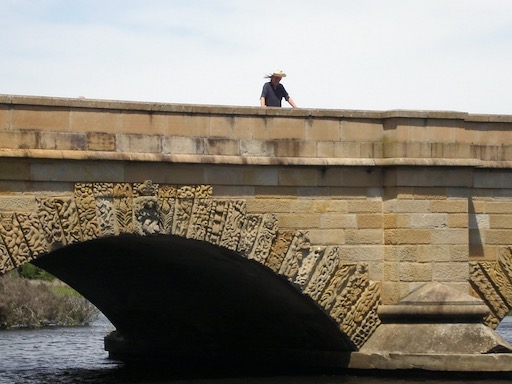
435 328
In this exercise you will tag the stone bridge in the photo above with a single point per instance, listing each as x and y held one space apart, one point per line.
256 231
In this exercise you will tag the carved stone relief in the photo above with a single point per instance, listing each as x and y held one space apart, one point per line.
492 282
86 207
95 210
233 226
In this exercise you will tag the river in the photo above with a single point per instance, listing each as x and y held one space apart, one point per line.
76 355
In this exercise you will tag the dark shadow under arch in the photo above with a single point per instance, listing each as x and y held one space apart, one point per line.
186 301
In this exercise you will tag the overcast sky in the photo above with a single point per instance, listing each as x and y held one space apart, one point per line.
338 54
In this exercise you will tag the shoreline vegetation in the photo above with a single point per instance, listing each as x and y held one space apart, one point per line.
32 298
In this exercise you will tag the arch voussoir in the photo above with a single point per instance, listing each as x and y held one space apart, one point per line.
492 282
94 210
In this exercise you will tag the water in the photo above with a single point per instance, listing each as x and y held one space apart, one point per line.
76 355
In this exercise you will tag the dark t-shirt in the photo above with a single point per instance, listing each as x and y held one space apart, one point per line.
273 96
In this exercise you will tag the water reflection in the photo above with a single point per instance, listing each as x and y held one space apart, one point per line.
76 355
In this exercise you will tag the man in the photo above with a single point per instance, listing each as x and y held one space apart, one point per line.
273 91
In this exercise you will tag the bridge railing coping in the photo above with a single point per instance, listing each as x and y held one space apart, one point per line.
244 110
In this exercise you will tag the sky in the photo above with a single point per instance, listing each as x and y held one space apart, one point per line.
450 55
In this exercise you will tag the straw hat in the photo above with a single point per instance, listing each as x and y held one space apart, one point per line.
277 73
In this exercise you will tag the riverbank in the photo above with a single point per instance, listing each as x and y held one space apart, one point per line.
28 303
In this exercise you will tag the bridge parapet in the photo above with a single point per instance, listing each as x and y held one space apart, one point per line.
88 129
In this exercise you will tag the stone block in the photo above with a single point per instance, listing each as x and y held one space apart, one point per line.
429 193
365 206
407 236
326 237
497 221
369 221
483 252
449 206
476 237
222 126
459 253
389 221
433 253
5 121
428 220
302 205
175 174
390 292
86 171
288 128
323 130
361 130
412 206
299 220
434 177
249 127
234 191
449 236
18 204
262 205
95 120
347 150
23 139
415 272
476 206
456 220
188 125
39 118
335 205
493 179
222 146
276 191
361 253
294 148
183 145
498 237
399 128
450 271
143 123
363 236
97 141
401 253
338 220
261 176
298 177
391 272
63 141
371 150
228 175
325 149
366 177
138 143
91 171
158 173
478 221
257 148
498 207
331 177
375 271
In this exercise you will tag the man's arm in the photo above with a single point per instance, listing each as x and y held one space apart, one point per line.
262 102
291 102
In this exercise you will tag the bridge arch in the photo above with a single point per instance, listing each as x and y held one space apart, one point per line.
100 212
188 301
